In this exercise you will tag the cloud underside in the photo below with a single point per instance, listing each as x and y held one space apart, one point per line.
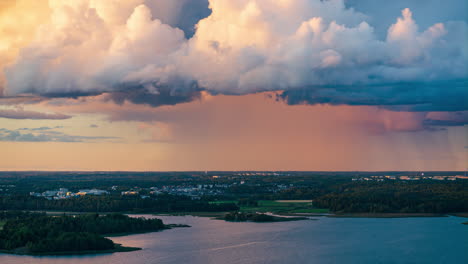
437 96
315 51
163 96
45 134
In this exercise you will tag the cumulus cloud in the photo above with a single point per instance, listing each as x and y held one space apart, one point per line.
45 134
24 114
250 46
84 51
135 52
19 20
382 13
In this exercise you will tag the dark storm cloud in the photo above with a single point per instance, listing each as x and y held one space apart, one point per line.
154 96
71 94
438 96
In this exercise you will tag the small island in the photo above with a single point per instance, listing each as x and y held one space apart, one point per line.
39 234
257 217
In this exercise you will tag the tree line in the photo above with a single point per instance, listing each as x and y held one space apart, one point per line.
47 234
400 197
110 203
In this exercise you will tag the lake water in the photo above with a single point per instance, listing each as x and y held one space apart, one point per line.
326 240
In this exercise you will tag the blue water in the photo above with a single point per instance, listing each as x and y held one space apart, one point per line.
326 240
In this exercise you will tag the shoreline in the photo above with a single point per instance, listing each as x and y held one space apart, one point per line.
335 215
23 247
220 214
385 215
216 216
118 248
168 226
380 215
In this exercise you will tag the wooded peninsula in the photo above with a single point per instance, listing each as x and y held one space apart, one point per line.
40 234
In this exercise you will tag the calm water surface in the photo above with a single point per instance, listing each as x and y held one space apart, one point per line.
327 240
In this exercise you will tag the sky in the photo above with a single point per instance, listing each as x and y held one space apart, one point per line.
164 85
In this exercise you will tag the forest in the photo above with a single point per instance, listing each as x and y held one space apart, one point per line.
399 197
110 203
242 217
36 233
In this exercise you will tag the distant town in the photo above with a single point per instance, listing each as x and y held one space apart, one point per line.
193 191
225 191
411 178
196 191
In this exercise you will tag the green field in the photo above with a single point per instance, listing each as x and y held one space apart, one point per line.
224 201
281 207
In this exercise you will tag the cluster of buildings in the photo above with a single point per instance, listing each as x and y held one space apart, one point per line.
261 174
6 187
64 193
195 191
130 193
411 178
284 186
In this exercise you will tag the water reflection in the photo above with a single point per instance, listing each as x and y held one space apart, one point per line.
328 240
